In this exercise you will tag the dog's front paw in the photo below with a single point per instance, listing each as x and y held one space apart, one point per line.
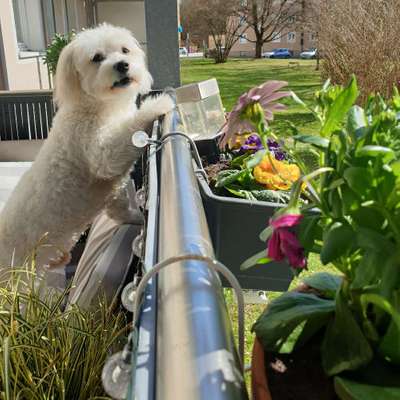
159 105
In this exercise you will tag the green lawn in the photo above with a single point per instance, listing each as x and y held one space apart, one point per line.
239 75
235 77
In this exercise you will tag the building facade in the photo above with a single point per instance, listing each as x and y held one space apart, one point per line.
27 27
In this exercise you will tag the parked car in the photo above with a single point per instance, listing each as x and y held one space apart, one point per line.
183 51
267 54
309 54
279 53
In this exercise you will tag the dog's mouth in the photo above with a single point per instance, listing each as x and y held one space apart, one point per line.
122 82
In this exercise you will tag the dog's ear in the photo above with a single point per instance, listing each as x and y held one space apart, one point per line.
67 84
147 82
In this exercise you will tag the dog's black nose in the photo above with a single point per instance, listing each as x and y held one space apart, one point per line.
121 66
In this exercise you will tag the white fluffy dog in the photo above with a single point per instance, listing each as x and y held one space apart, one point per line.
88 152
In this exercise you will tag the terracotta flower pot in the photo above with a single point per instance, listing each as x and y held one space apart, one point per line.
304 377
259 382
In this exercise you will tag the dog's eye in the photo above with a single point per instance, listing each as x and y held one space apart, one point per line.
98 57
125 50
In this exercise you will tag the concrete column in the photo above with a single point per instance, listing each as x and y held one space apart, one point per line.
162 42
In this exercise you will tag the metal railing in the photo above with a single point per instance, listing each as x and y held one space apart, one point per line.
26 115
196 356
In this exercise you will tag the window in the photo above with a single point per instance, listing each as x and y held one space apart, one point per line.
313 37
29 25
243 38
291 37
276 37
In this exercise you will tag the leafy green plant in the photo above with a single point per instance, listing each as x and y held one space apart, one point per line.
353 222
48 353
53 51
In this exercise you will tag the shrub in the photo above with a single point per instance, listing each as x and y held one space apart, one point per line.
54 49
361 37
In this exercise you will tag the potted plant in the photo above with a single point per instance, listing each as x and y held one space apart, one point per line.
340 332
252 181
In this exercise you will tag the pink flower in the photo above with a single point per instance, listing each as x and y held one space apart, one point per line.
264 95
284 243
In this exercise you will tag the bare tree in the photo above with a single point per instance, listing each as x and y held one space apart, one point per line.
216 18
361 37
269 19
193 28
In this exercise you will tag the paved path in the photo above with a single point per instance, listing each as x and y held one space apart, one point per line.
10 174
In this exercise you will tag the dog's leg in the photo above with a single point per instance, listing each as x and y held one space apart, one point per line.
112 154
119 207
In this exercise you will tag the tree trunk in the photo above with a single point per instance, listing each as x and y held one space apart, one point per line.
220 55
259 46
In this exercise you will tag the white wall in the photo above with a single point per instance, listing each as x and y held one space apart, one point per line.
129 14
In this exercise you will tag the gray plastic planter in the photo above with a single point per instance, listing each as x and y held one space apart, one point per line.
234 227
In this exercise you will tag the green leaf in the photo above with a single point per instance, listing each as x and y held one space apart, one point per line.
370 239
368 217
390 344
266 233
366 272
246 180
327 284
382 303
376 151
396 168
344 346
359 179
309 230
337 241
350 201
255 159
340 107
316 141
285 313
243 194
239 161
335 204
351 390
272 196
298 100
311 327
336 183
390 273
254 260
304 105
356 120
228 177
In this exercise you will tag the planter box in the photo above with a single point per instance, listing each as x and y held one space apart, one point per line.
234 227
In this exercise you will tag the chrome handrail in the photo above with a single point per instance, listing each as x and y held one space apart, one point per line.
196 354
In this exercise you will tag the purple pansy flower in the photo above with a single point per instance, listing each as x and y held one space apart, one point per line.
275 148
253 142
265 95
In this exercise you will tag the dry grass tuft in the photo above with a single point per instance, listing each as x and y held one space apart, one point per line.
48 353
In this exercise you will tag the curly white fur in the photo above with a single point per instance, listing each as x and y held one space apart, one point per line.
88 151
